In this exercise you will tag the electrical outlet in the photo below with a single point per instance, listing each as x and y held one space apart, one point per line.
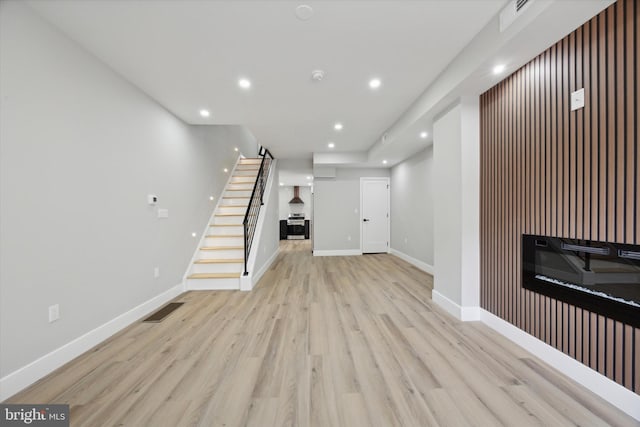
54 313
156 272
577 99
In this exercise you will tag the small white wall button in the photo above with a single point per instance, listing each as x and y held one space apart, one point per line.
152 199
54 313
163 213
577 99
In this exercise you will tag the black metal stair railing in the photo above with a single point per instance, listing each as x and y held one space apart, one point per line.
255 202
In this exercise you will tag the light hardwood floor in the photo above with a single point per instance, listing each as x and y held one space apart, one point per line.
324 341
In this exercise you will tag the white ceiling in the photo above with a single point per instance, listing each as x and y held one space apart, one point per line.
189 54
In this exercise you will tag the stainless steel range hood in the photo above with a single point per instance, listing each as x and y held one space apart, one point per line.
296 197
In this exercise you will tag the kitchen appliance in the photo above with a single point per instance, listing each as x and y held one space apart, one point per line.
295 226
296 198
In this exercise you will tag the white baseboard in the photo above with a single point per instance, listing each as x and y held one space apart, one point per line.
466 314
619 396
27 375
427 268
338 252
213 284
248 282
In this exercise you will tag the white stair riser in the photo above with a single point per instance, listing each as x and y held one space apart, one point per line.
222 254
217 268
246 172
234 202
232 209
251 162
213 284
235 220
225 231
241 186
242 180
224 241
243 193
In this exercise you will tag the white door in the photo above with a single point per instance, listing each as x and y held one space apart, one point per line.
374 208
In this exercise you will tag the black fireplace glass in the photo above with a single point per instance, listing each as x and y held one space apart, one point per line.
602 277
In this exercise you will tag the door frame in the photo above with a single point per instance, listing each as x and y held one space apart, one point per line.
387 180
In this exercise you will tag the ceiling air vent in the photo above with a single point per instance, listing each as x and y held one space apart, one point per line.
520 4
512 11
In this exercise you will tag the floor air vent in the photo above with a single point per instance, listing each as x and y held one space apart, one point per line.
162 314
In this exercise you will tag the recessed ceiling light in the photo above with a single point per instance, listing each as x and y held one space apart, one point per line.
374 83
244 83
317 75
193 234
384 162
331 145
424 135
308 177
309 184
235 149
499 68
211 197
205 113
338 126
226 170
281 184
304 12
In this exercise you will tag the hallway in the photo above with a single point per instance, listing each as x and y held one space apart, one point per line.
322 341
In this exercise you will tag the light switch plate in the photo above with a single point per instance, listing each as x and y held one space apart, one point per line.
54 313
577 99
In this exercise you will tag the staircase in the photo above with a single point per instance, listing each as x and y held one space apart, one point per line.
220 259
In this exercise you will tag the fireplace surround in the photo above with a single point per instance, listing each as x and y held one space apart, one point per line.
602 277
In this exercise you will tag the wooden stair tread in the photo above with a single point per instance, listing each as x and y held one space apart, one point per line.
236 197
211 236
221 248
214 276
225 225
219 261
229 214
239 189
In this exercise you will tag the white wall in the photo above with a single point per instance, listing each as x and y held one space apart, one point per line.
456 209
80 149
266 241
412 206
286 194
447 204
336 205
470 208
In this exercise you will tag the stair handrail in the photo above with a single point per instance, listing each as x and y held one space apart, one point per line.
253 209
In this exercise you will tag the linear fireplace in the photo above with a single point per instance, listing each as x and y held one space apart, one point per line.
601 277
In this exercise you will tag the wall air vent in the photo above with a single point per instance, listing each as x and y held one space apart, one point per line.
512 11
520 4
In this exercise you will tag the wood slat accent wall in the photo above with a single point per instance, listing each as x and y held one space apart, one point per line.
550 171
